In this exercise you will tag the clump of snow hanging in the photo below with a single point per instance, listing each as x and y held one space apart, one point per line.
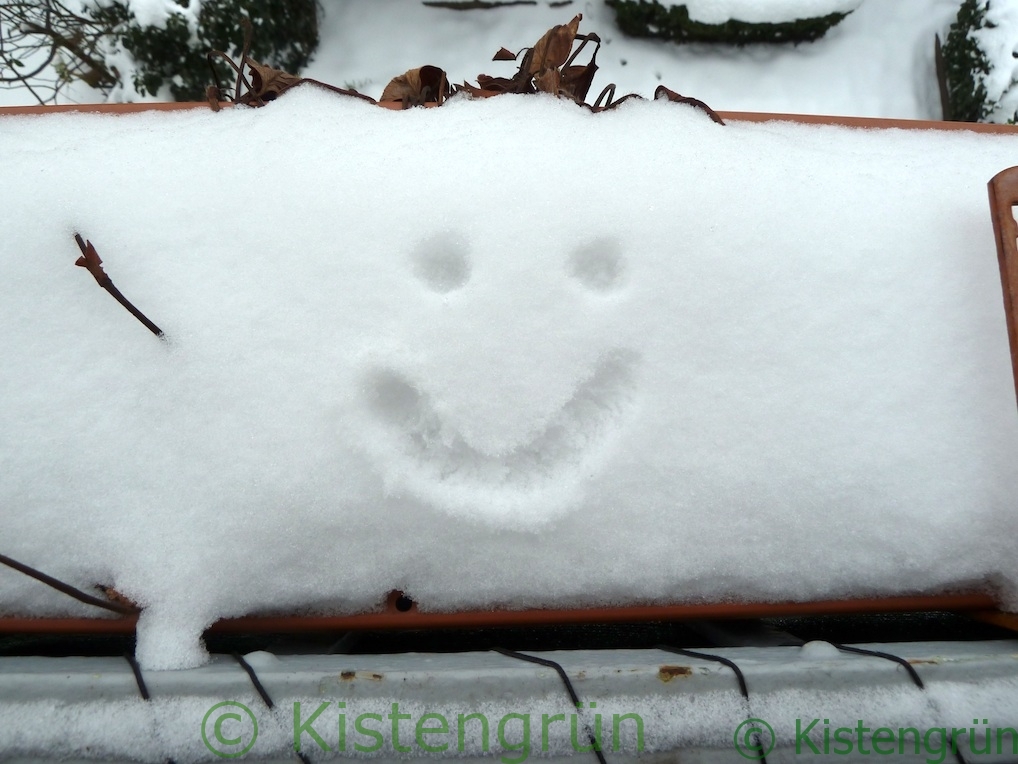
997 38
763 11
502 353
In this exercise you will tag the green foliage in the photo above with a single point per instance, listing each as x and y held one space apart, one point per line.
965 64
651 19
285 36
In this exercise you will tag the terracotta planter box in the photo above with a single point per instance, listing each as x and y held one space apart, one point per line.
402 613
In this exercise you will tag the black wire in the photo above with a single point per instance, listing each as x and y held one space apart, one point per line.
743 688
913 675
886 656
707 657
140 681
264 694
569 688
254 679
137 676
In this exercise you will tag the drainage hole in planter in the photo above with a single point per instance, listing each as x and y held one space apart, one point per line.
404 603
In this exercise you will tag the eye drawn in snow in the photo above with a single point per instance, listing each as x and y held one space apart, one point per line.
599 265
442 262
536 477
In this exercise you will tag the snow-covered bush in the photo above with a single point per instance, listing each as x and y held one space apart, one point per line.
735 22
128 49
163 44
981 62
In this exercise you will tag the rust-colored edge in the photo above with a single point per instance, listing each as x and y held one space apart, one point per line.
104 108
391 618
1003 189
872 123
734 116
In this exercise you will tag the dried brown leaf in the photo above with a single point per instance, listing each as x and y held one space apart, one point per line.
417 86
436 84
504 54
576 80
406 85
505 85
496 84
479 92
552 50
548 81
267 83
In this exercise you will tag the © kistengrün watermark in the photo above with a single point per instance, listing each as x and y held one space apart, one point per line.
229 730
242 733
755 739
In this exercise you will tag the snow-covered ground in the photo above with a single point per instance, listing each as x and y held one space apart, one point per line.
878 62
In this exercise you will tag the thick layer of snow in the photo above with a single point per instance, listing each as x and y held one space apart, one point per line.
765 11
499 353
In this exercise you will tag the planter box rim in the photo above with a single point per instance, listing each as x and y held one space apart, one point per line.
732 116
395 618
391 616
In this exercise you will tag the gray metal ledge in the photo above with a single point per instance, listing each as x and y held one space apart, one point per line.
688 709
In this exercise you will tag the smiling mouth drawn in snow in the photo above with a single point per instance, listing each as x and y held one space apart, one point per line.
536 478
424 454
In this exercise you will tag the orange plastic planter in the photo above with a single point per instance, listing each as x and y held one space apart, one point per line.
391 617
399 613
1003 198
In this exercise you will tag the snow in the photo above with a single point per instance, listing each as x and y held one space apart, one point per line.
998 39
503 353
154 13
878 62
763 11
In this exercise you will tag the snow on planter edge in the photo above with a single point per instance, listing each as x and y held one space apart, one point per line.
505 353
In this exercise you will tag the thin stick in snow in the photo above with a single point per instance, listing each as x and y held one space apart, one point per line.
90 260
60 586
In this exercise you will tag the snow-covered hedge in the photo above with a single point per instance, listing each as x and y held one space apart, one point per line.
981 64
736 22
161 46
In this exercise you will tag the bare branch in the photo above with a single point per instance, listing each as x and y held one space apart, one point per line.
45 45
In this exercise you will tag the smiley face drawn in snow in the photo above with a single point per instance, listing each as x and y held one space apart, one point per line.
535 475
